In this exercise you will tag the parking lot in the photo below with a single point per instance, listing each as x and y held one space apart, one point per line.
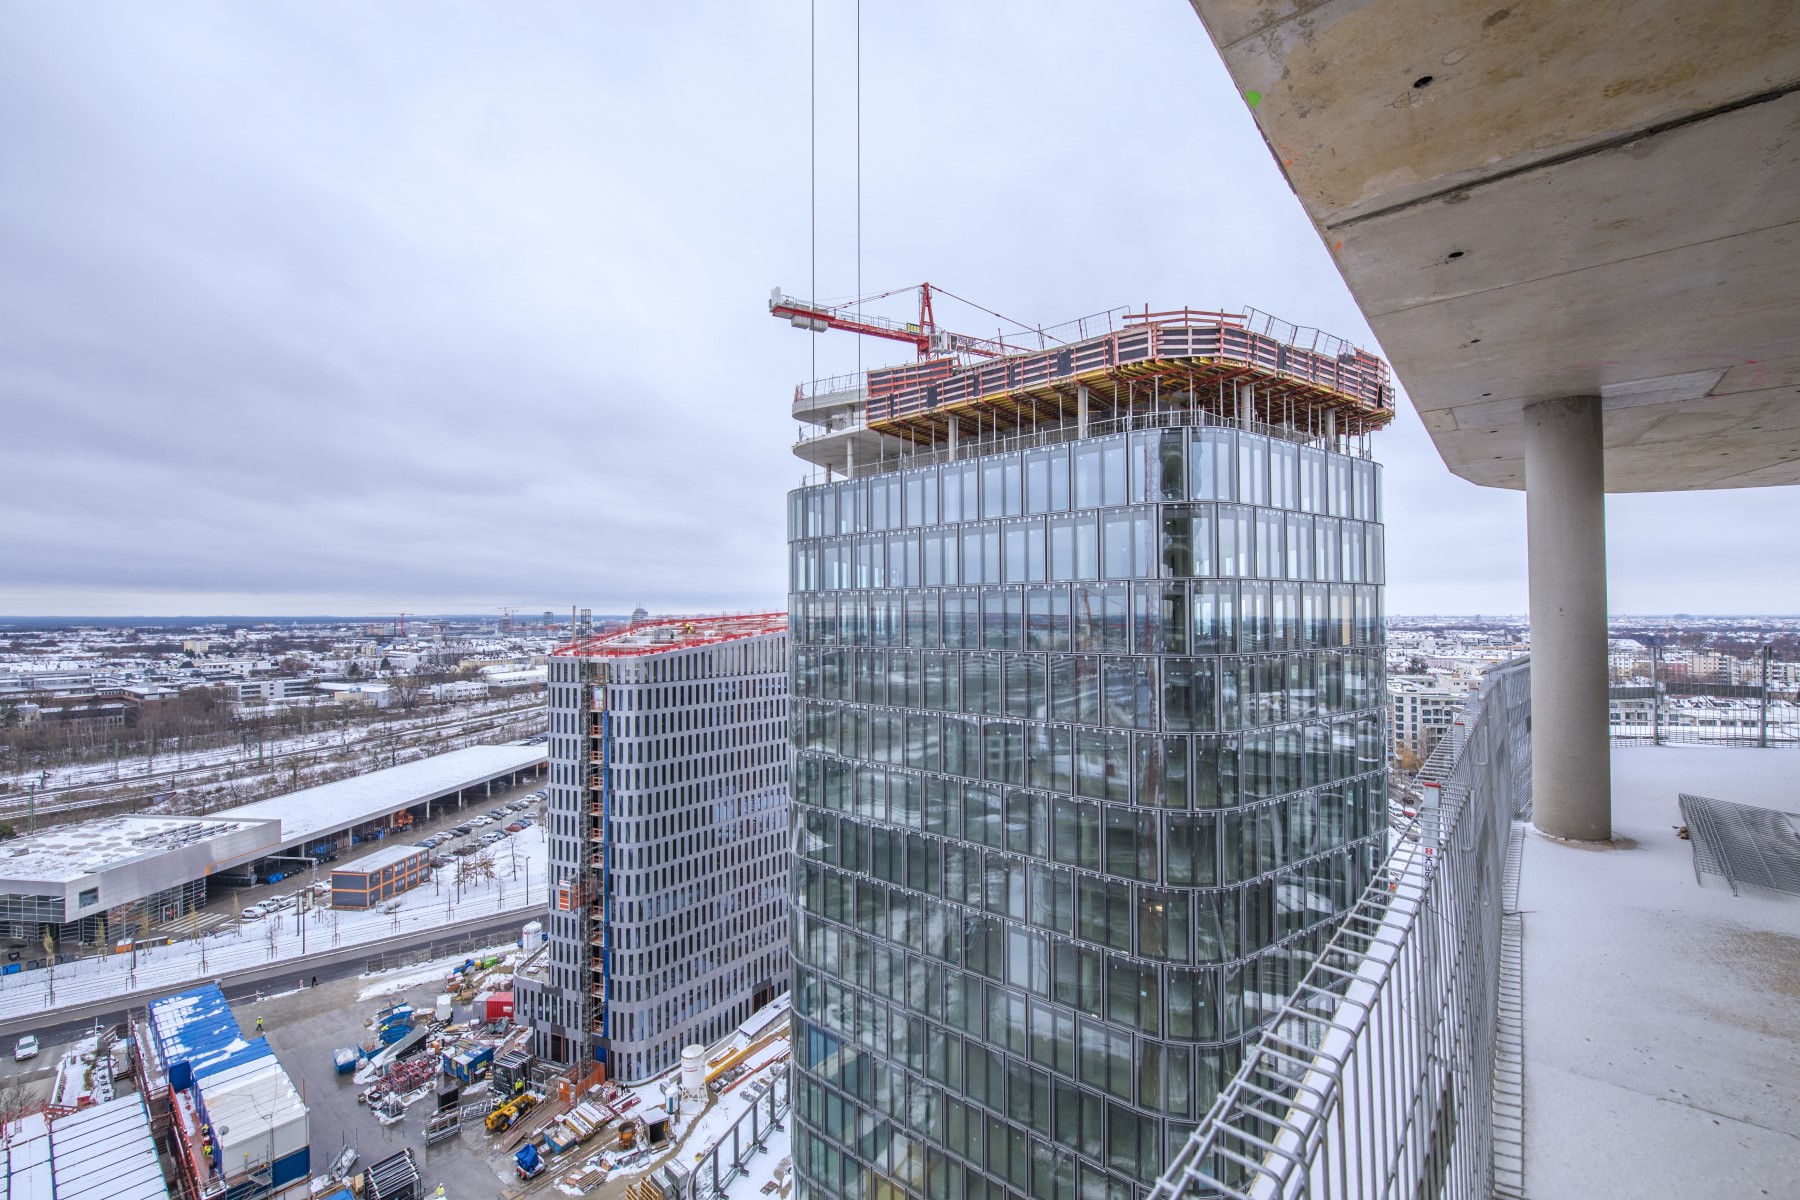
226 904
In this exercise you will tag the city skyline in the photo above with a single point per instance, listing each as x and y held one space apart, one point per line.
307 315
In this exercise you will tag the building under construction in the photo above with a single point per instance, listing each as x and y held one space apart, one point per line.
1117 370
1088 724
668 834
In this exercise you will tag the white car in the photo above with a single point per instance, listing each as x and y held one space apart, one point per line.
27 1048
252 914
482 820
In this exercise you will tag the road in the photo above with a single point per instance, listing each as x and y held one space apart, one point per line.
70 1026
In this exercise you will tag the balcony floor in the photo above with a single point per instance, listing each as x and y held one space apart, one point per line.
1662 1017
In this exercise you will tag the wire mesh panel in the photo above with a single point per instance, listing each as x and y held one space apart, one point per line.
1377 1079
1758 847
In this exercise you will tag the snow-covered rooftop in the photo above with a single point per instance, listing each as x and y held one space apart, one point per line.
72 852
105 1152
1660 1011
330 807
387 856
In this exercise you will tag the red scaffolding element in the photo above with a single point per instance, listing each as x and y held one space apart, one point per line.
1199 357
923 335
659 635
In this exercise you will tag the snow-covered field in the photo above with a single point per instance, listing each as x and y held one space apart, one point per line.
169 763
392 983
518 886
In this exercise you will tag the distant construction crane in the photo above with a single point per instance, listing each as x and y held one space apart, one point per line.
400 624
506 617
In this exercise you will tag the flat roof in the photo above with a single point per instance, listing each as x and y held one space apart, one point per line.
70 852
331 807
387 856
105 1152
658 635
1660 1010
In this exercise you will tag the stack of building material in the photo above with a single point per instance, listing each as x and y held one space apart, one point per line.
576 1126
393 1178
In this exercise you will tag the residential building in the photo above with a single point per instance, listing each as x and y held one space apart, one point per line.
1423 709
668 826
1088 718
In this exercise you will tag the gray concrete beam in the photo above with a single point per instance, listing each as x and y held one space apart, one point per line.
1565 513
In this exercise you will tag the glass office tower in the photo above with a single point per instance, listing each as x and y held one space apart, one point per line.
1089 757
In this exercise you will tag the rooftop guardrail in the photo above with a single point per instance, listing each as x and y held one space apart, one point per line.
1378 1079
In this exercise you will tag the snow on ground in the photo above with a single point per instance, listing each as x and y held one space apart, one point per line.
518 887
695 1132
390 983
774 1165
171 763
75 1074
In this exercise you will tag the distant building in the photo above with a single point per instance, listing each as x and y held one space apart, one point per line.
274 691
461 689
668 831
375 695
1422 710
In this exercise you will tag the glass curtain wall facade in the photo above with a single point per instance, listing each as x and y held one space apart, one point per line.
1089 756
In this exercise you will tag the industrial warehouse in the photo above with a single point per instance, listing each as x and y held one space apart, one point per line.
93 880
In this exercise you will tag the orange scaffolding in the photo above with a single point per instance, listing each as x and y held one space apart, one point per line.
1236 366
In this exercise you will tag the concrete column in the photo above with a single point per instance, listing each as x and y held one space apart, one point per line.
955 426
1081 412
1565 499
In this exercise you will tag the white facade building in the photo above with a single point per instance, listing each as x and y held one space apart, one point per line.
668 825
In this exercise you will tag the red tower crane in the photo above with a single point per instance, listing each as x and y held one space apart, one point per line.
923 334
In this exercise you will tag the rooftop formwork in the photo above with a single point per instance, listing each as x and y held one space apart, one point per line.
1097 374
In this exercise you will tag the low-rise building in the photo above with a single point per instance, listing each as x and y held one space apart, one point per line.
379 877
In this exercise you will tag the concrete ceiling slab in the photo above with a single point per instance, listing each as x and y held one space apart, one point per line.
1576 198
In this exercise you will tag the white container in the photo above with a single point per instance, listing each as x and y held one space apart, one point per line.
532 934
693 1070
442 1012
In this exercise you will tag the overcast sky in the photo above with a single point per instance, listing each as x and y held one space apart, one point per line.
359 308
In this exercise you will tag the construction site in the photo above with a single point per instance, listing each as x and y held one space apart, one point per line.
1116 370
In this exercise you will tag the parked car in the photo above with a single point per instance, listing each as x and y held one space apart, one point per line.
426 844
477 822
470 848
496 813
515 827
463 829
26 1047
252 914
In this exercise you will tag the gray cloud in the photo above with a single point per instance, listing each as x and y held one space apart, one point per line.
342 307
